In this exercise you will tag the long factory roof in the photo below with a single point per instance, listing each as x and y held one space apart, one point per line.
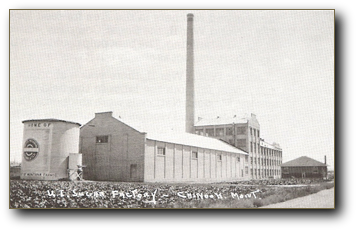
195 141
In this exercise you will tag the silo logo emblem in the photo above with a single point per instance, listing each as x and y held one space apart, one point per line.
31 150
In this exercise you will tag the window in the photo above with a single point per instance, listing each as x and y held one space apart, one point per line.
240 130
228 131
161 151
194 155
219 157
241 143
254 131
258 133
315 170
251 160
246 159
238 159
209 132
102 139
251 132
219 132
246 170
285 170
199 131
251 150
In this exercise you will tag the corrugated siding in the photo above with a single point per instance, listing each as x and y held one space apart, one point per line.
178 164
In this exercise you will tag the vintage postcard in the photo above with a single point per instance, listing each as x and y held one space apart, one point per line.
172 109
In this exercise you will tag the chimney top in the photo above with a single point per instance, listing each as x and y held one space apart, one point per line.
190 15
104 114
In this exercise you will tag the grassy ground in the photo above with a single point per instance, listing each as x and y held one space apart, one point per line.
93 194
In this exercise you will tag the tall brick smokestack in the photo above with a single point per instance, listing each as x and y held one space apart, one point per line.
189 104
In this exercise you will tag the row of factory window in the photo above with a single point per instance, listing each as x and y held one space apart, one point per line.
286 170
266 172
161 151
255 133
265 162
265 151
221 132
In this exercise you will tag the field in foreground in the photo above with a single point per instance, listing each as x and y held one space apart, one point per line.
322 199
93 194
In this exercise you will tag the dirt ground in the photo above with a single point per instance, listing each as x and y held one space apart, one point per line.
322 199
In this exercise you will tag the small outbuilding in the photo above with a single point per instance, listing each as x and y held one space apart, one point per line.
304 167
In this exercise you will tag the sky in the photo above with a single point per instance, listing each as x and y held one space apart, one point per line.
277 64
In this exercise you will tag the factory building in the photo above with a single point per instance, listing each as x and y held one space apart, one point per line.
304 167
269 160
114 150
50 150
244 133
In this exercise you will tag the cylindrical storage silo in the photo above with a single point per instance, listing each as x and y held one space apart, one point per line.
46 147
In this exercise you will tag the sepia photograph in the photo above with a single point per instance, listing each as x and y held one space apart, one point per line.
172 109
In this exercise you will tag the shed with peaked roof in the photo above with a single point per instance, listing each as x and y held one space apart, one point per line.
304 167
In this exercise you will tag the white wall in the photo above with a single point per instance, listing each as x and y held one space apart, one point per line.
56 140
177 165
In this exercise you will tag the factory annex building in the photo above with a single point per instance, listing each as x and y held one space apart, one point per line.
113 150
304 167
